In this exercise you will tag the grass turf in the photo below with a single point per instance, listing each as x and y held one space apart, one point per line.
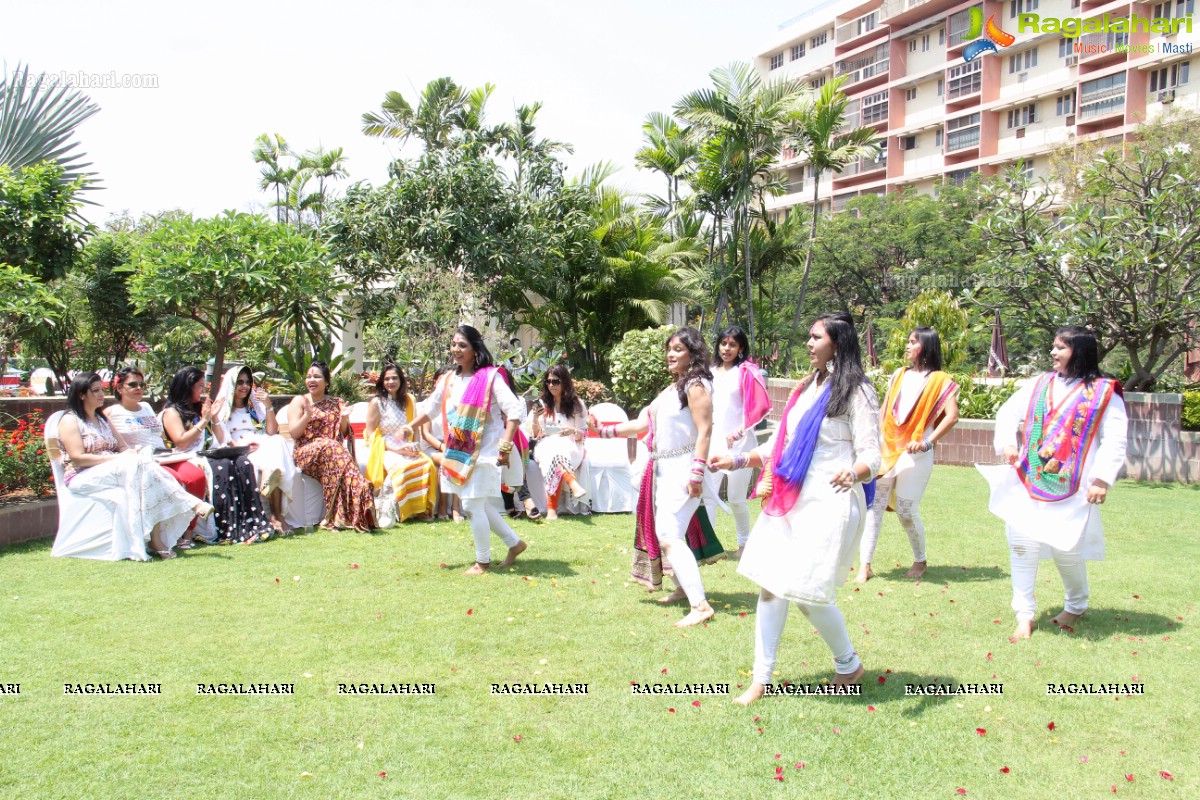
328 608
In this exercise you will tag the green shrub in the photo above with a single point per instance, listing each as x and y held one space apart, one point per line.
639 370
349 386
980 400
1191 411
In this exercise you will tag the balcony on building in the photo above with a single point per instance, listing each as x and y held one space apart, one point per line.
1101 103
863 170
898 13
858 31
864 70
1098 50
962 138
957 26
964 83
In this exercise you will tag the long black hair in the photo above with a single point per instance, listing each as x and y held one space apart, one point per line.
569 405
930 356
80 385
179 395
1084 362
845 370
483 356
700 365
401 393
119 379
736 333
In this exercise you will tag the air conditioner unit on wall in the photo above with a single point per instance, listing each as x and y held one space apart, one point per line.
1020 133
1070 120
907 142
1072 61
1167 96
1022 77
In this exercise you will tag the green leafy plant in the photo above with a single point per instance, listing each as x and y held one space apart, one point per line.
292 365
348 385
1191 411
638 367
981 400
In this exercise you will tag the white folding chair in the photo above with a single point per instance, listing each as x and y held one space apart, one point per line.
608 461
307 505
85 526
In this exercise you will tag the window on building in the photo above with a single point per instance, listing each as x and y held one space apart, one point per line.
1182 8
1169 77
1026 168
1016 7
866 23
965 79
925 43
797 51
912 45
819 39
960 177
941 36
937 138
910 94
777 61
941 87
875 108
1065 47
1021 62
1064 105
1102 96
1020 117
818 82
962 132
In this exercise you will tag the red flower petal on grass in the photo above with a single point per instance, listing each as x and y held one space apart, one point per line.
742 614
664 670
696 703
1005 770
1129 777
442 565
1166 776
779 773
778 755
1114 789
1051 726
760 730
960 790
517 738
981 731
277 580
882 679
1137 597
988 657
354 566
383 774
757 718
801 764
870 708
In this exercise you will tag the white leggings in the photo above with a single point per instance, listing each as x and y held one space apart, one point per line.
910 487
484 518
768 630
736 490
671 528
1072 568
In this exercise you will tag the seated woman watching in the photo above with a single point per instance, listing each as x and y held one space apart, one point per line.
147 503
410 488
244 418
140 427
187 418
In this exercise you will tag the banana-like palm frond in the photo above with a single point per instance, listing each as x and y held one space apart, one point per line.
38 121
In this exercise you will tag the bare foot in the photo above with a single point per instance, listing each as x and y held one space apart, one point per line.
513 552
678 594
917 570
751 695
864 573
478 569
577 491
736 555
849 679
1024 629
1066 618
698 614
551 515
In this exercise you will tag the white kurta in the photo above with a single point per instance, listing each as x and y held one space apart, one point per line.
807 553
673 429
1060 524
272 458
485 477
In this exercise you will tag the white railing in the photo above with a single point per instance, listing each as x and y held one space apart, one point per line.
857 27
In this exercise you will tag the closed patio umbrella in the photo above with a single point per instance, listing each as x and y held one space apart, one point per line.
998 352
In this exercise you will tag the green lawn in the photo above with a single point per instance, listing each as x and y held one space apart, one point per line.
300 611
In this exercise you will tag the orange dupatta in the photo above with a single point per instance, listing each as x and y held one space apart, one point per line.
894 436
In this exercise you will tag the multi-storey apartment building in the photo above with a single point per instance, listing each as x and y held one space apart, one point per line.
943 117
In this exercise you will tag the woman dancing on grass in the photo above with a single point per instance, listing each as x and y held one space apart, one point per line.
814 501
671 519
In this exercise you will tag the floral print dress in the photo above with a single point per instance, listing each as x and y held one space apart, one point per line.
349 497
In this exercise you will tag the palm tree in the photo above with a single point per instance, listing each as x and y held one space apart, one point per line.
744 122
270 154
518 140
323 165
445 112
669 150
824 137
37 122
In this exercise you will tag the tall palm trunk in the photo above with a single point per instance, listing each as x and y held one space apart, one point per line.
812 237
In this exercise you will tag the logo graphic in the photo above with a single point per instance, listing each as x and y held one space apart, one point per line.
991 43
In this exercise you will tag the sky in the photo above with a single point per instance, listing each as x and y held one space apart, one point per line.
229 71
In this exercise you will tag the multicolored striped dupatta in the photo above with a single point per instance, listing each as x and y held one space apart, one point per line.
895 436
464 425
1058 437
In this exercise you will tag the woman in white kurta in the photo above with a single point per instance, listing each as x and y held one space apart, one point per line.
920 408
814 503
740 402
245 418
559 425
1063 437
480 415
671 520
409 486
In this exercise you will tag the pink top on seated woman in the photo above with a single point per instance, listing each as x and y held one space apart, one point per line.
146 502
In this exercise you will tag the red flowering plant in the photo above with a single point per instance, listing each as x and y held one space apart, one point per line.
23 464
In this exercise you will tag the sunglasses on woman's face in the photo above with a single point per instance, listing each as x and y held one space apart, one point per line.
553 382
133 385
244 383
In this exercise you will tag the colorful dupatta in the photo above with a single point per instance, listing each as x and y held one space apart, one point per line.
700 537
783 476
1058 437
464 425
756 401
895 436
